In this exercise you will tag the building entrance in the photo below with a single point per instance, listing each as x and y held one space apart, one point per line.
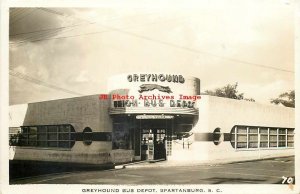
155 138
153 145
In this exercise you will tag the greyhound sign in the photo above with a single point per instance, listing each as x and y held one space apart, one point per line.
150 87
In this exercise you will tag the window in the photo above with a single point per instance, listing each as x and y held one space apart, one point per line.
56 136
87 136
119 103
264 139
248 137
217 136
122 138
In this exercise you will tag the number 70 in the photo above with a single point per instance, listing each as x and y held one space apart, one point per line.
288 180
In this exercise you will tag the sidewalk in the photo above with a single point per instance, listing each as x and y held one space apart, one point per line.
168 163
161 163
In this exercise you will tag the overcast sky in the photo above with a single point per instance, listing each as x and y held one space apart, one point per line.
220 42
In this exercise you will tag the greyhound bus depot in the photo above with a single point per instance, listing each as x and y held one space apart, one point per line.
150 116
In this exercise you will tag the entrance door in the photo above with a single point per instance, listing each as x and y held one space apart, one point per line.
154 136
153 145
159 144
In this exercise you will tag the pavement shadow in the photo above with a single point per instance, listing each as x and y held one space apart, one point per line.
22 169
217 180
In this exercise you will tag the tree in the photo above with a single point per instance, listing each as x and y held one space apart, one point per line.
286 99
228 91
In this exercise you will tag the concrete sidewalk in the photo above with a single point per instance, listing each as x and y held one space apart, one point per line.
167 163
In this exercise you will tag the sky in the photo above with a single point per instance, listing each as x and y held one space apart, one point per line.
60 52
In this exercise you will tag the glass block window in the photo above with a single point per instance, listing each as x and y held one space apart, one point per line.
249 137
56 136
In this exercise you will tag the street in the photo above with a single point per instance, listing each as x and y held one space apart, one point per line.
268 171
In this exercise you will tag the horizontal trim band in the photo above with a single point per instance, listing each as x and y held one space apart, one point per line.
209 136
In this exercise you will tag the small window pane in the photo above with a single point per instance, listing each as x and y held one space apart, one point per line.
290 138
63 136
281 131
253 130
290 144
115 103
42 136
23 142
42 129
64 144
273 144
52 143
52 136
64 128
241 145
263 130
263 137
241 129
273 131
120 103
273 137
42 143
52 129
25 130
264 144
253 145
242 138
253 137
281 137
290 131
33 130
32 137
32 143
281 144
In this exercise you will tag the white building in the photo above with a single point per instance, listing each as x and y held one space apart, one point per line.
151 116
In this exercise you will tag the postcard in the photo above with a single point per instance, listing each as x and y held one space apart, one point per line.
149 96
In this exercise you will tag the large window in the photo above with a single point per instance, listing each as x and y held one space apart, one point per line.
122 136
57 136
253 137
125 103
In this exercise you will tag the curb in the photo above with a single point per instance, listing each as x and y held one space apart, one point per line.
133 164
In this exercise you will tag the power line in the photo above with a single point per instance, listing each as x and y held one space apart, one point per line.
180 47
42 36
165 43
44 33
63 37
25 15
77 35
38 37
45 30
40 82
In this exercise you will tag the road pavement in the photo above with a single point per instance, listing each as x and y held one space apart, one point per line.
268 171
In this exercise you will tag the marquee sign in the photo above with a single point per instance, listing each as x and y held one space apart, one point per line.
155 78
154 117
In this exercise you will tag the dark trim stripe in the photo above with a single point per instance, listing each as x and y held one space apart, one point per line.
210 136
96 136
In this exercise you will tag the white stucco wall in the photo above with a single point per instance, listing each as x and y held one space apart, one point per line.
224 113
80 112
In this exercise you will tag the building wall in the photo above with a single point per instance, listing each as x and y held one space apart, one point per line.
80 112
212 113
223 113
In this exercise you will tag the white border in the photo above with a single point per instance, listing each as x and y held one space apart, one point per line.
74 189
